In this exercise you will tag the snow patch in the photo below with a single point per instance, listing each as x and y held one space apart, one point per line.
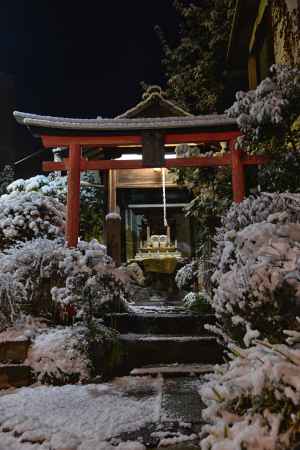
78 416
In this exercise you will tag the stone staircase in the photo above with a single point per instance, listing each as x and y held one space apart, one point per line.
153 337
13 371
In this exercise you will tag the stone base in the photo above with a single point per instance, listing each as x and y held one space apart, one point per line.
14 351
18 375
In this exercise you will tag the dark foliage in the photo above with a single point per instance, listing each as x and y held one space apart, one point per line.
195 68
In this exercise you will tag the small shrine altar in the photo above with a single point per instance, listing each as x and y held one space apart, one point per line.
158 253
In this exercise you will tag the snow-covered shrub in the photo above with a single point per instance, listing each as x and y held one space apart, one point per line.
284 207
91 198
186 276
93 293
57 355
25 216
54 186
64 355
257 267
197 302
266 115
12 296
53 274
252 402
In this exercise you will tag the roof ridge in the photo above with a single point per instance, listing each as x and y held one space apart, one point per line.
140 106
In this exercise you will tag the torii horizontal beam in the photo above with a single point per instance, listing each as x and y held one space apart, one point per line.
115 140
113 164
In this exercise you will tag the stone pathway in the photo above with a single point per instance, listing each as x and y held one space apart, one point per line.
180 416
158 412
180 400
159 331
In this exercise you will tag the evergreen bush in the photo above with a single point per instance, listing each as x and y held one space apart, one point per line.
29 215
64 284
257 269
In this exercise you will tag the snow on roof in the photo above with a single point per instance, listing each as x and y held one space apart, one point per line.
121 124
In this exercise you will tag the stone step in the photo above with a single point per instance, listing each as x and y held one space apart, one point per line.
141 350
14 351
179 324
14 375
173 370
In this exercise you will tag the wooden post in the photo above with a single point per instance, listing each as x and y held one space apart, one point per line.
238 174
252 72
73 197
112 191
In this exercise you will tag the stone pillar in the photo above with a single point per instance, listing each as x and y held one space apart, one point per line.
113 236
57 157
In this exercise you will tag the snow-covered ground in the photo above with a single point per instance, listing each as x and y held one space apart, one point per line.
80 417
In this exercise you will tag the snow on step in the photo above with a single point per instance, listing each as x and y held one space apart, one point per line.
159 309
165 338
174 370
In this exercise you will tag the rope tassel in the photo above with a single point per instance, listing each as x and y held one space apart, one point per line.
163 172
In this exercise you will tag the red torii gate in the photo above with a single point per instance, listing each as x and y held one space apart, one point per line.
46 128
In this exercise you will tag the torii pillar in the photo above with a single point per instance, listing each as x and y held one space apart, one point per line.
238 174
73 196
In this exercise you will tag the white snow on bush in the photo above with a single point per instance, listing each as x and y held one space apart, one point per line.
59 351
51 272
78 417
12 295
257 259
56 186
273 105
186 275
190 299
50 185
253 401
25 216
276 208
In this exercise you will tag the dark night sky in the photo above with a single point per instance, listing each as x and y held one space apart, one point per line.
82 58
